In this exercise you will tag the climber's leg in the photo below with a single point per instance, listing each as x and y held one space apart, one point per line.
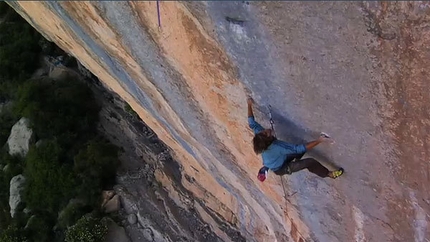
312 165
285 169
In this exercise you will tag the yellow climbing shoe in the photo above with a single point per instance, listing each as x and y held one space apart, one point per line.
336 174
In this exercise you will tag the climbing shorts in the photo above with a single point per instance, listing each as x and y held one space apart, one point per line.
285 168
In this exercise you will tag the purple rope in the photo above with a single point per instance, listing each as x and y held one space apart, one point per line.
158 14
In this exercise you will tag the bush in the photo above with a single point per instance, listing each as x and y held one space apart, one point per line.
62 109
87 229
71 213
71 162
95 165
19 50
5 218
14 164
4 8
130 110
39 227
7 120
13 234
49 185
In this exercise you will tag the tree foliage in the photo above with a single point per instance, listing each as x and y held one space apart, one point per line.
70 162
13 234
95 165
63 109
39 227
4 8
7 120
50 183
19 48
87 229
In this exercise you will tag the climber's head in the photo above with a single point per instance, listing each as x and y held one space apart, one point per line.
262 140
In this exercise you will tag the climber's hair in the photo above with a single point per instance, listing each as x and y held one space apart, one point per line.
261 142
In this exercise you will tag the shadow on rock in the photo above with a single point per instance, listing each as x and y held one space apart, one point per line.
290 132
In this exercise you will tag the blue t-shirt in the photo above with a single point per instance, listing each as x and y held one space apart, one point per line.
278 151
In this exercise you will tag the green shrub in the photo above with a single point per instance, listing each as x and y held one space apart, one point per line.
14 163
4 8
39 227
13 234
87 229
19 49
63 109
71 213
5 218
7 120
95 165
49 184
71 162
130 110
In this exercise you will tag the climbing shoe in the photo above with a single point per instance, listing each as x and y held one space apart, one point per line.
337 173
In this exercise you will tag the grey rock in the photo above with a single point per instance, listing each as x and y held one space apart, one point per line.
20 138
27 210
148 234
39 73
39 143
112 205
106 196
116 233
16 186
83 70
30 221
132 218
5 105
61 73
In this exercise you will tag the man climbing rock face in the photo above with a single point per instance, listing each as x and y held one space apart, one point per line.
278 155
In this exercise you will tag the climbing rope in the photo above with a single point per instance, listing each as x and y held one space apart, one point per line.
271 120
158 14
282 180
274 134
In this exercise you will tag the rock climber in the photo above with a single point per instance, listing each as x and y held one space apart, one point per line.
278 155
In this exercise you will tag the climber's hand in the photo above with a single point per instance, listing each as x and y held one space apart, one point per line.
250 101
322 139
325 138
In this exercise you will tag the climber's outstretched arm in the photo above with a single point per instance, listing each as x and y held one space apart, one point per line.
314 143
256 127
250 113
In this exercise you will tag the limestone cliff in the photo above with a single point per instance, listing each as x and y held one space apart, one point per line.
358 71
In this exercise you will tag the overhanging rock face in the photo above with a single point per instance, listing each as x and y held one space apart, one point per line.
358 71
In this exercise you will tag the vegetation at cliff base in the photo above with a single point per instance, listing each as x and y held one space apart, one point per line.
87 229
68 165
